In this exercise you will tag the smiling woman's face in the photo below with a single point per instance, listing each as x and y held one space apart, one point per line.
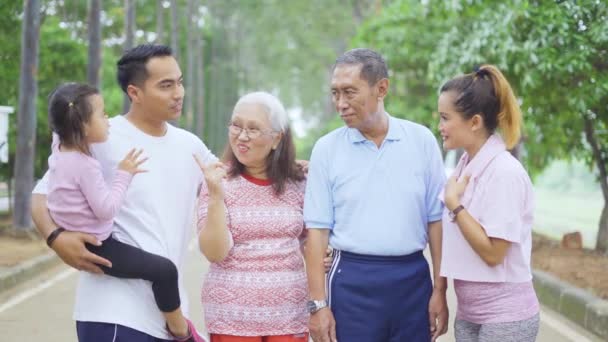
252 119
454 129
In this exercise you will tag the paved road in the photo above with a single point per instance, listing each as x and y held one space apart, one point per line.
40 310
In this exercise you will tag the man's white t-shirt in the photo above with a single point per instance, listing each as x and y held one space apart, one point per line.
157 216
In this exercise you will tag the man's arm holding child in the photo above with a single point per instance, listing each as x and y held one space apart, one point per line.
69 246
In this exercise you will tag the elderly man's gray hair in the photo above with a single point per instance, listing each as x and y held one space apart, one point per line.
373 65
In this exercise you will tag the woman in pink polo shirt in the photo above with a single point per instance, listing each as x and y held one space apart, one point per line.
489 206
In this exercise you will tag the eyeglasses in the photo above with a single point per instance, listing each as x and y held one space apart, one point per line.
251 133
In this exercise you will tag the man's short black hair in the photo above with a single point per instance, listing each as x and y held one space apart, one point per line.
373 65
131 68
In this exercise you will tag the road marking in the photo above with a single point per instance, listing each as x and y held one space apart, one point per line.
547 316
23 296
566 331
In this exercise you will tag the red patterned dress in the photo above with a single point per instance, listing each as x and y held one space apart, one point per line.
260 289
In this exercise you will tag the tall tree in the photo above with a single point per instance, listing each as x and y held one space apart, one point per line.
287 48
200 80
94 33
190 80
562 44
175 29
10 26
129 40
160 22
26 120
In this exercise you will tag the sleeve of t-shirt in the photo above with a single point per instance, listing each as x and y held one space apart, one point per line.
502 206
435 180
203 152
318 198
41 187
104 200
203 208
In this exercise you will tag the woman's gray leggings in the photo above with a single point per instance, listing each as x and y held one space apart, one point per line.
519 331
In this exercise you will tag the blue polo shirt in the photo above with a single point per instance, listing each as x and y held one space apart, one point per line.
375 201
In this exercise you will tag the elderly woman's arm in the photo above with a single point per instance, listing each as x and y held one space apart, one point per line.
214 239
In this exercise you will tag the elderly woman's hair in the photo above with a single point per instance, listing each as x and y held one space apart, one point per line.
281 166
274 108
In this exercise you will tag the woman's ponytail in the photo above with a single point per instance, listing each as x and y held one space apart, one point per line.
509 113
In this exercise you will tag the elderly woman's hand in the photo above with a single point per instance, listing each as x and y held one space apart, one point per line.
214 173
303 164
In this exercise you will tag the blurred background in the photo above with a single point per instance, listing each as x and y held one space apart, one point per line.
554 53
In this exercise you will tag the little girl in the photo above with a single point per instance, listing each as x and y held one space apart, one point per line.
80 200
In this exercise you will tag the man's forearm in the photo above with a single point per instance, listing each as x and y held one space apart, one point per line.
41 217
316 245
435 237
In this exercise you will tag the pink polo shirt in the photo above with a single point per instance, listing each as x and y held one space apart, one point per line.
499 196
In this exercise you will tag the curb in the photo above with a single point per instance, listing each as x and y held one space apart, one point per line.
26 270
576 304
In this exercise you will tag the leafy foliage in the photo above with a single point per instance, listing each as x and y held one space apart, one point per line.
555 55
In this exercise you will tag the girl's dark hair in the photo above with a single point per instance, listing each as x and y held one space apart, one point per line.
281 164
487 92
69 110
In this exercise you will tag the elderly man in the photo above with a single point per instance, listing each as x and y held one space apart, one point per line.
372 195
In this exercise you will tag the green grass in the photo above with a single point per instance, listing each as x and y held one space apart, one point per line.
559 212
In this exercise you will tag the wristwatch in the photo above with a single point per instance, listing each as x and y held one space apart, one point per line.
315 305
452 213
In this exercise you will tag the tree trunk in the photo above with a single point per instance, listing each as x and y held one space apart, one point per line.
190 79
26 119
129 40
9 187
94 61
160 22
601 244
329 110
174 29
200 68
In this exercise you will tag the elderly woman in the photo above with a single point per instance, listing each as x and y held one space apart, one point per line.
251 227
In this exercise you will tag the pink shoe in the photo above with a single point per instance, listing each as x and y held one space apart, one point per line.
193 335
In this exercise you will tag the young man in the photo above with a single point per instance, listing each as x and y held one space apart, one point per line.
157 213
371 193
